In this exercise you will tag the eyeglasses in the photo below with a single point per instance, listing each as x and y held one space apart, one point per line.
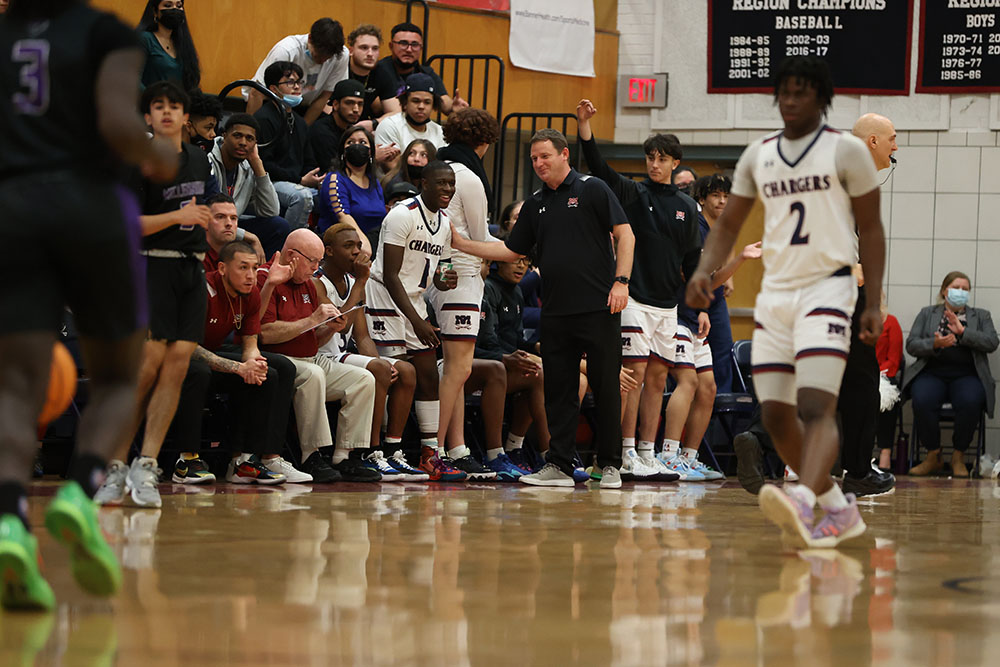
307 257
412 46
291 82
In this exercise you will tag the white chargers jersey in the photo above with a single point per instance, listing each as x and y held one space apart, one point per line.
338 343
809 229
425 238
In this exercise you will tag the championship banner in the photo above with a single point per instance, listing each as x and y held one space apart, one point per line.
553 36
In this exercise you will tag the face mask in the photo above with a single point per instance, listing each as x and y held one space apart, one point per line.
357 155
415 172
171 18
958 297
686 190
202 143
292 100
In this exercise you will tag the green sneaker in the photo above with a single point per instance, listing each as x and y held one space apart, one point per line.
595 473
72 519
24 587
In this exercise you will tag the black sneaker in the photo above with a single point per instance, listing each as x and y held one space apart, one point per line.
320 469
355 470
192 471
749 462
473 469
875 483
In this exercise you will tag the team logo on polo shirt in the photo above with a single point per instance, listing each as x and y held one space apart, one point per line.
305 299
572 202
680 215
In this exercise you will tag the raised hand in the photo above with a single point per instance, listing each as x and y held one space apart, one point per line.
193 213
279 273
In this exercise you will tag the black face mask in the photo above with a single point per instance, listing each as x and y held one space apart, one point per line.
686 189
415 172
202 143
357 155
171 18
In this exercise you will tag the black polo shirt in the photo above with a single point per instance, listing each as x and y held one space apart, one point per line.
570 229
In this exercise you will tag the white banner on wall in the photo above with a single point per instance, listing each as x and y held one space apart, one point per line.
553 36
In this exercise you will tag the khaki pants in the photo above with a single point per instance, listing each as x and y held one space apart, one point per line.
320 379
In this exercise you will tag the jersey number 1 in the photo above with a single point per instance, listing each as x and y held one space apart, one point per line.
34 76
798 238
427 272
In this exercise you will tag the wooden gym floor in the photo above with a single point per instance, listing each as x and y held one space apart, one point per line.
484 574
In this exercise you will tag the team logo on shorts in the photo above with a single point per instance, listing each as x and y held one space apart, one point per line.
378 327
834 329
627 342
463 321
680 349
573 202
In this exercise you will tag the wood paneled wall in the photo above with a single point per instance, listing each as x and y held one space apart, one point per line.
233 36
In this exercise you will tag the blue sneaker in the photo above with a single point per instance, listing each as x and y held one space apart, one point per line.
580 475
376 461
708 472
519 457
679 465
505 469
410 474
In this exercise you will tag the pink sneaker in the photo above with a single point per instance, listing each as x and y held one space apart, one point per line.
836 526
793 516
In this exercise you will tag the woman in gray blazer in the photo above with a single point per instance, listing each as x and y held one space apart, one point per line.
951 342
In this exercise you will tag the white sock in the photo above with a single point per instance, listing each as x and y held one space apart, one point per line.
628 445
834 499
392 444
458 452
513 442
491 454
646 449
339 454
428 413
803 493
671 447
690 454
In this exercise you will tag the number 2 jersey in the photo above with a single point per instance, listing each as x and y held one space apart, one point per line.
425 238
48 109
806 186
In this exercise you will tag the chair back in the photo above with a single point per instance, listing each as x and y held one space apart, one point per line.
741 360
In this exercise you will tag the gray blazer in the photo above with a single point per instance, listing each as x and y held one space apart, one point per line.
979 335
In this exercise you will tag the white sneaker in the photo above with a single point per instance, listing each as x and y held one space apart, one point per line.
633 466
141 481
663 473
112 492
282 467
791 475
611 478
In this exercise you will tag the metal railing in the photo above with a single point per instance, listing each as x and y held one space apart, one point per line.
427 18
523 179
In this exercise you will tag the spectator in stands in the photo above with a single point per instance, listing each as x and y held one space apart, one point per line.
286 154
951 342
501 338
684 178
237 166
364 43
204 117
260 385
419 98
326 134
341 280
508 217
889 351
352 194
397 193
323 58
223 228
173 224
389 75
409 168
295 323
166 39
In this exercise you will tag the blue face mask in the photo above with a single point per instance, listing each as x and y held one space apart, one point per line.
292 100
958 297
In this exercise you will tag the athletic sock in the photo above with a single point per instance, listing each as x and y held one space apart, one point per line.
392 444
646 449
491 454
671 447
459 452
690 454
14 500
628 445
339 454
513 442
834 499
87 470
803 493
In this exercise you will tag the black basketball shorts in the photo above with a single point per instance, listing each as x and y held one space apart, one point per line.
178 298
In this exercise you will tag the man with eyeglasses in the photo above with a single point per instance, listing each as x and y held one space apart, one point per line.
284 145
295 323
389 75
323 58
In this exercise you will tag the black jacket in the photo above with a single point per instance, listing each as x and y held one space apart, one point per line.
500 329
665 224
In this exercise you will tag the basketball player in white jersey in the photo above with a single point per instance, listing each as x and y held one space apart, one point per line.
415 237
342 280
816 184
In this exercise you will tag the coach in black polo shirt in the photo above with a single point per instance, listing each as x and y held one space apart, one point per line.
570 222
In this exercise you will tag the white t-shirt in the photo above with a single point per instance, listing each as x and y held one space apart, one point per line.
425 238
316 79
806 186
395 129
469 213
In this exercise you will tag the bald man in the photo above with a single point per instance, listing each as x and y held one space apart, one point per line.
859 401
294 323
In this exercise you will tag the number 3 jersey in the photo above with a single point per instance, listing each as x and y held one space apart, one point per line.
425 238
806 186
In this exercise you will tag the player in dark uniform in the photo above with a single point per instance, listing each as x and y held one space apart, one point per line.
70 233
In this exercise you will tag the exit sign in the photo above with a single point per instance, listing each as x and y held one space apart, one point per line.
642 90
